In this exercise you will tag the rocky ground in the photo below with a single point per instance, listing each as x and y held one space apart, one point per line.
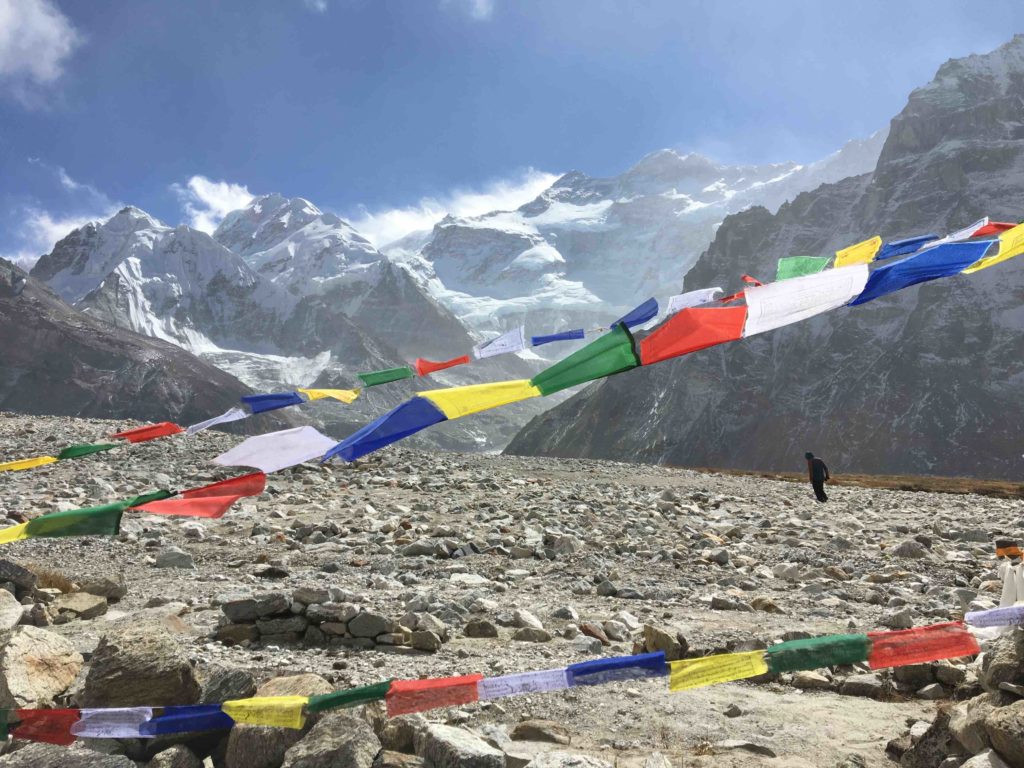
469 563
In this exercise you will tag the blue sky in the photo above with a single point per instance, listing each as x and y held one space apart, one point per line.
404 109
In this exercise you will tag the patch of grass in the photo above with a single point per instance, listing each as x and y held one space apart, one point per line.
51 579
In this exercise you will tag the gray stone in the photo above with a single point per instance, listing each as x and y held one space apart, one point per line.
443 746
282 626
967 721
10 611
106 586
222 683
337 740
1005 729
335 613
239 611
1004 660
480 628
174 557
22 578
541 730
80 605
425 640
811 681
986 759
35 666
745 746
932 692
867 685
910 549
671 642
397 733
38 755
523 618
567 760
368 624
271 603
531 635
178 756
931 747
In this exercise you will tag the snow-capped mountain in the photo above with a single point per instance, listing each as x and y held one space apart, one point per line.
588 249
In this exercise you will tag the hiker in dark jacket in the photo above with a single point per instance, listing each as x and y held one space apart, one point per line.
819 475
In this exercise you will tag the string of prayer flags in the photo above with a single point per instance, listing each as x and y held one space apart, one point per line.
19 464
818 652
710 670
778 304
408 696
690 330
373 378
51 726
341 395
576 333
542 681
903 247
1007 616
273 711
1007 548
798 266
860 253
188 719
903 647
426 367
455 402
691 299
112 723
617 668
233 414
277 450
104 520
400 422
508 342
640 315
149 432
85 449
272 401
608 354
353 697
1011 243
930 264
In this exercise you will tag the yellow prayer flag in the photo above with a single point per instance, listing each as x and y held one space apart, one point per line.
38 461
723 668
14 533
343 395
861 253
276 711
462 401
1011 243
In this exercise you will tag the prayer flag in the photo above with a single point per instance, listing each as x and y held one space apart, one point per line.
967 232
930 264
691 299
145 498
341 395
188 719
76 451
861 253
523 682
373 378
1011 243
1009 616
903 247
234 414
455 402
272 401
709 670
917 646
246 485
210 507
351 697
606 355
38 461
277 450
778 304
52 726
818 652
576 333
400 422
690 330
617 668
408 696
273 711
798 266
149 432
994 228
1007 548
508 342
103 520
112 723
646 311
426 367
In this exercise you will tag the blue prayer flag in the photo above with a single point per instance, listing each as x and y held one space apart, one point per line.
407 419
646 311
941 261
536 341
903 247
200 717
617 668
273 401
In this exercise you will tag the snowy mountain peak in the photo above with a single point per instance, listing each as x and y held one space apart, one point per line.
266 221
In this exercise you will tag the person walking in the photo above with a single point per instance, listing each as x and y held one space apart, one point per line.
818 473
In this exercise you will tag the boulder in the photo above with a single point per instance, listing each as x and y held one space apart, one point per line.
986 759
398 733
867 685
336 740
38 755
389 759
541 730
79 605
1005 729
140 665
106 586
174 557
932 747
967 721
35 666
223 683
1004 661
661 639
567 760
178 756
444 746
22 578
10 611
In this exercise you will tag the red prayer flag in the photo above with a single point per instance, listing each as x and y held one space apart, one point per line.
246 485
50 725
149 432
921 644
205 506
994 228
423 367
408 696
691 329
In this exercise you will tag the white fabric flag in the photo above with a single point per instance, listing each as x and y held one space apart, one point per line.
1008 616
691 299
115 723
1008 573
960 234
790 301
277 450
235 414
510 341
524 682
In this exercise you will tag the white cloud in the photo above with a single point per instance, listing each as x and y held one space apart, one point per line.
481 10
316 6
387 225
35 40
207 202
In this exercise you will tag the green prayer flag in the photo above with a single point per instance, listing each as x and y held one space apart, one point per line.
611 353
104 520
74 451
798 266
145 498
353 697
5 719
373 378
818 652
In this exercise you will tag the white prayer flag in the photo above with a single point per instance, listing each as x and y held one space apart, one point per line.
278 450
961 234
790 301
114 723
524 682
510 341
691 299
235 414
1008 616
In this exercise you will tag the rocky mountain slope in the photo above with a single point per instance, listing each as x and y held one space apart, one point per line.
927 380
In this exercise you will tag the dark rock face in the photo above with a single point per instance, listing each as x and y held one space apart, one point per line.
924 381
